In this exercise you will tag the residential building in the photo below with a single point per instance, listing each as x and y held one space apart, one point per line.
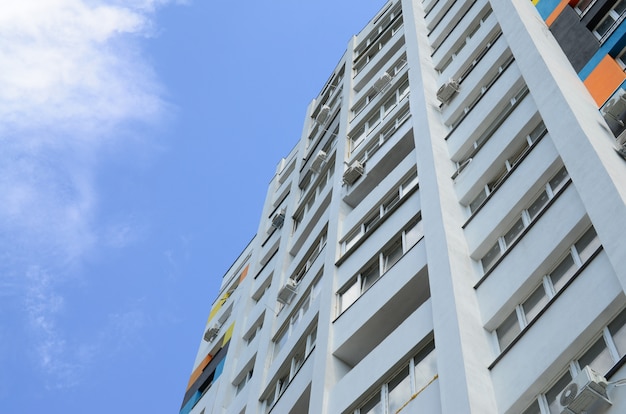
448 234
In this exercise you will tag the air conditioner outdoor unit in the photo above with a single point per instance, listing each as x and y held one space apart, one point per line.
287 292
318 161
353 173
586 394
212 332
322 115
448 90
383 82
620 146
279 219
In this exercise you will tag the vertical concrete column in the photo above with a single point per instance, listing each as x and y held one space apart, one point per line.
576 127
326 370
463 347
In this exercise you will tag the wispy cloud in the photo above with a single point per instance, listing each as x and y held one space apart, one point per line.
73 82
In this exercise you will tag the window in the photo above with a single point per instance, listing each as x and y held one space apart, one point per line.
379 37
358 135
308 202
501 117
601 356
309 258
511 162
607 24
380 264
550 285
290 368
413 378
528 215
382 211
242 383
582 6
297 315
477 96
553 393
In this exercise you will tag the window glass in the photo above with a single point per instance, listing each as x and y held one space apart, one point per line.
413 234
604 26
373 406
352 239
535 303
282 383
356 137
620 7
538 205
409 184
349 296
508 331
498 178
537 132
514 232
369 276
559 180
404 88
280 342
370 222
373 121
553 393
390 104
270 401
399 390
312 339
587 244
533 409
563 272
475 203
514 159
492 255
392 202
618 333
425 366
583 4
597 357
392 254
298 359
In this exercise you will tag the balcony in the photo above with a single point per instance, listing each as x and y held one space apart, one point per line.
381 153
402 340
570 325
383 307
561 221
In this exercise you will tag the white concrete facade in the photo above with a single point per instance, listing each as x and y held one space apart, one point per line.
449 254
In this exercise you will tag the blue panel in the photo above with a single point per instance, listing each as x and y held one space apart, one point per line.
546 7
611 46
219 369
191 403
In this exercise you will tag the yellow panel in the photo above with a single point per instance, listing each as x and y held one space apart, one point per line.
218 305
228 334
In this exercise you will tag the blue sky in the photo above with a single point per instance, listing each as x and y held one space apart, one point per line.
138 138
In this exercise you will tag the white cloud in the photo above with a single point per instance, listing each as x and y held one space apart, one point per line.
73 80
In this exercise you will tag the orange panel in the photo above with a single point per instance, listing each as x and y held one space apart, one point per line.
244 274
198 371
556 12
604 80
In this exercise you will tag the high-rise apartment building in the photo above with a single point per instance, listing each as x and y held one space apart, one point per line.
449 234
